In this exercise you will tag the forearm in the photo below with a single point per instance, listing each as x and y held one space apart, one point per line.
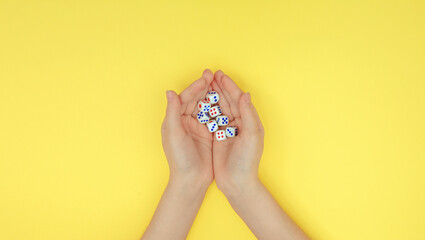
176 211
262 214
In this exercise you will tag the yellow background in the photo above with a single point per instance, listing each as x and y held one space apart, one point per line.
339 86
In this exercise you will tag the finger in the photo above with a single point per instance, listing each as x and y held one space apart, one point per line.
196 91
250 120
223 93
224 104
230 90
172 120
196 110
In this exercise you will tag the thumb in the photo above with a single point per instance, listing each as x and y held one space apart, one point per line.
172 115
250 120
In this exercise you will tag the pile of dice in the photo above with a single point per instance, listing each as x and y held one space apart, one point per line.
208 109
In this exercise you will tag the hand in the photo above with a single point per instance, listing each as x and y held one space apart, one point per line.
236 162
188 148
188 144
236 159
192 155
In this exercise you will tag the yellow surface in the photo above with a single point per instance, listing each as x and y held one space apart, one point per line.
339 85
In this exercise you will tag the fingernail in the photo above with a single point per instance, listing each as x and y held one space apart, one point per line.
248 97
168 93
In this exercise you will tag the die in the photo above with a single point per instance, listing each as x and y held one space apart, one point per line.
220 135
215 111
207 114
212 97
212 126
231 131
204 106
202 117
222 120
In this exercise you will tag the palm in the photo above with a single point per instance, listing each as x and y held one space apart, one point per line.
226 154
197 143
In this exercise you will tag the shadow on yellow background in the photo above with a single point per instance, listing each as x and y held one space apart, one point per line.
339 86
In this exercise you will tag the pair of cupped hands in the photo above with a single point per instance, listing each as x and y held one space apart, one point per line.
196 158
194 155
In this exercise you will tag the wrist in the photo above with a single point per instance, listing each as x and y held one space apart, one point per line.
240 187
187 186
200 179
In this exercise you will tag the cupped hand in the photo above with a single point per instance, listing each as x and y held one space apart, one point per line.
187 143
236 159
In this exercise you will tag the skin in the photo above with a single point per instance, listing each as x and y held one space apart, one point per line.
236 162
188 147
195 158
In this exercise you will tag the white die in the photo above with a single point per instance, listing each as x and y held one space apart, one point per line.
207 114
202 117
231 131
215 111
204 106
212 97
220 135
212 126
222 120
